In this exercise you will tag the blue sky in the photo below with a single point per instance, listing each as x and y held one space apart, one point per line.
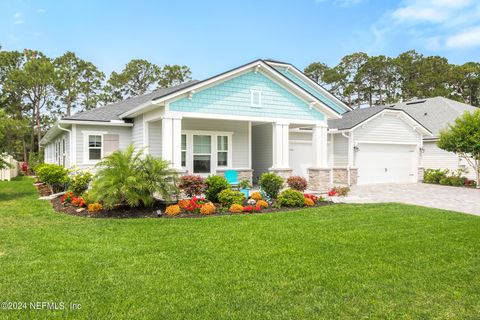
212 36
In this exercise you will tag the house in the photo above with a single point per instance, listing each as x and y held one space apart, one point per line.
243 119
263 116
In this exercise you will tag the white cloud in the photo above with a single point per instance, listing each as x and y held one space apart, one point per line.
18 18
434 11
40 10
468 38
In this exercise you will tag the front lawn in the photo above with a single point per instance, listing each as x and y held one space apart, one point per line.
345 261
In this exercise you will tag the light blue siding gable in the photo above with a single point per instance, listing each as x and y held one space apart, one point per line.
233 96
332 104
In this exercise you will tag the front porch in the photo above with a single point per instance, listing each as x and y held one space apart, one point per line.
206 146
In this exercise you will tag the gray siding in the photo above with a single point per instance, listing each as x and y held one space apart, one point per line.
155 138
436 158
124 135
240 148
137 132
387 128
340 150
261 149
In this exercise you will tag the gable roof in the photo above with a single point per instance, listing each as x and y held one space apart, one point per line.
113 111
435 113
353 118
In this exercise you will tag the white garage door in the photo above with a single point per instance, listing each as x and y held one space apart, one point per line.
385 163
301 157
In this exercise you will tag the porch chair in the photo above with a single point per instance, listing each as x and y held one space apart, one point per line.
232 178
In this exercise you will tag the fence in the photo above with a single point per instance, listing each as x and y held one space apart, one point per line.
9 173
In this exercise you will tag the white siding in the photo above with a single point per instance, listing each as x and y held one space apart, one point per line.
137 132
387 128
240 148
340 150
155 138
303 136
124 135
261 149
436 158
50 155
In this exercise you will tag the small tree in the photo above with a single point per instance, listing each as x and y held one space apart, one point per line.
463 138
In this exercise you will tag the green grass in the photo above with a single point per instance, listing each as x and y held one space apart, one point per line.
350 261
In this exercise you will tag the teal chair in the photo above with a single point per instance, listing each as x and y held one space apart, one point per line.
232 178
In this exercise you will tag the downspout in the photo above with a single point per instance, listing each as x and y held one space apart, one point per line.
70 144
348 156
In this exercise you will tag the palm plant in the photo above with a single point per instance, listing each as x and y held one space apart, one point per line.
130 178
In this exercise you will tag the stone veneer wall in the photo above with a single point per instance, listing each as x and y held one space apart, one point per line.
319 179
340 176
243 174
284 173
421 171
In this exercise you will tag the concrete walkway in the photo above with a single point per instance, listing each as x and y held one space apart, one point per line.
436 196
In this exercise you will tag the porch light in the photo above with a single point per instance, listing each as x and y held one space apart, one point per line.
356 148
422 150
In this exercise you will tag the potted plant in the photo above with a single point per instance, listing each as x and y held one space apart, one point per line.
245 187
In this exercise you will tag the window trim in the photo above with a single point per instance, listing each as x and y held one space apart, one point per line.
252 92
183 150
223 151
86 148
214 152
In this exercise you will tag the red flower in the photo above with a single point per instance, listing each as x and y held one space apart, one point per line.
332 193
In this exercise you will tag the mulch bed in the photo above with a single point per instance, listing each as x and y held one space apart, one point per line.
43 190
151 212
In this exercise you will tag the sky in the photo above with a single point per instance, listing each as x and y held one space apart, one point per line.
213 36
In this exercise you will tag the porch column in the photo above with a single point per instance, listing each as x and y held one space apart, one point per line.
280 145
320 143
172 141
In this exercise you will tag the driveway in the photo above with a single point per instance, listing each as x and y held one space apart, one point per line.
429 195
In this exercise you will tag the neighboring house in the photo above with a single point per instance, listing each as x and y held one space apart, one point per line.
263 116
240 119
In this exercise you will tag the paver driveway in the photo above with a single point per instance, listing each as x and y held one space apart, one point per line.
451 198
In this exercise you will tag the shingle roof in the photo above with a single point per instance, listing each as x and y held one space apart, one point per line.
113 110
352 118
435 113
432 113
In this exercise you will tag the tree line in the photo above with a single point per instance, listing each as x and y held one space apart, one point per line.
36 90
363 80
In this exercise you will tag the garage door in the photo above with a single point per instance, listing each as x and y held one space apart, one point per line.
385 163
301 157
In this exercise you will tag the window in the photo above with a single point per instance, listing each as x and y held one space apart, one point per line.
255 98
202 145
94 147
222 151
184 150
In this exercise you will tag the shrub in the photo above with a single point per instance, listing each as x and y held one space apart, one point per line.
252 209
271 184
173 210
129 178
262 204
94 207
228 197
434 175
291 198
55 176
183 203
192 185
67 197
245 184
256 196
236 208
195 204
311 197
452 181
308 202
78 202
208 208
215 185
78 183
297 183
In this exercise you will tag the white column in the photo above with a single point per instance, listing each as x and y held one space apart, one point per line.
172 141
320 146
281 145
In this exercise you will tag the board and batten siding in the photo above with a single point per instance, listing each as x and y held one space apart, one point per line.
436 158
387 128
340 150
262 141
240 143
232 97
124 139
137 132
155 138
